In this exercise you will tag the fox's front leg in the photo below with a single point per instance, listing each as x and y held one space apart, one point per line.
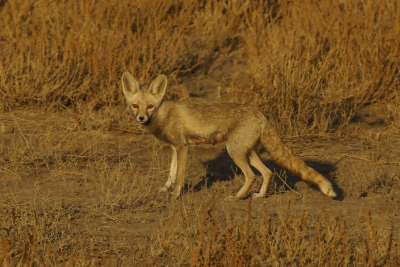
172 172
182 152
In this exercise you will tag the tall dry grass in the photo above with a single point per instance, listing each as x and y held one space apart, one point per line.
309 64
323 60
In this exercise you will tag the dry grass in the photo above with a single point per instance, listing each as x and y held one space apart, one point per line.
198 237
309 73
79 178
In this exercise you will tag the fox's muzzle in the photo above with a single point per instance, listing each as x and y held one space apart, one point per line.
142 119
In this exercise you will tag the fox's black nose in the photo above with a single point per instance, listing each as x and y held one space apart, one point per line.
141 118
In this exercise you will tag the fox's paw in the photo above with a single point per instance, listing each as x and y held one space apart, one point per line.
231 199
174 195
163 189
257 195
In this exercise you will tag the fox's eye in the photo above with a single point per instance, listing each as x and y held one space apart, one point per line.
135 106
150 106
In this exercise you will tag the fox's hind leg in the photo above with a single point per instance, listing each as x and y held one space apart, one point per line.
256 162
239 156
172 173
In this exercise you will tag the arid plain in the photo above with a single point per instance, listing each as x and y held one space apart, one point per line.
79 177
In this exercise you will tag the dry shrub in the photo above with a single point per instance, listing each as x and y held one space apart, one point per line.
73 53
291 239
313 63
308 72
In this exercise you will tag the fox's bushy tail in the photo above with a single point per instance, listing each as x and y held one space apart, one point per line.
285 158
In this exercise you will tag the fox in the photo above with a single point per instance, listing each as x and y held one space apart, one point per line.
242 127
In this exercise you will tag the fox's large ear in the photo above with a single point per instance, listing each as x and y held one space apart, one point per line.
129 84
158 86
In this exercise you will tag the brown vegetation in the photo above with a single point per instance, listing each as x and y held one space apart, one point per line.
79 177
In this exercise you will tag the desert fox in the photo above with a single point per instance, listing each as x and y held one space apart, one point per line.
242 127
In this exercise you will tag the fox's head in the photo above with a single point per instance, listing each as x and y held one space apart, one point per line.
143 102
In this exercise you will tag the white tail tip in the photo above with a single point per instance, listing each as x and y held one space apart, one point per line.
327 189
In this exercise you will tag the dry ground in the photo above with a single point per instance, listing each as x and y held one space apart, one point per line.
94 191
79 178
